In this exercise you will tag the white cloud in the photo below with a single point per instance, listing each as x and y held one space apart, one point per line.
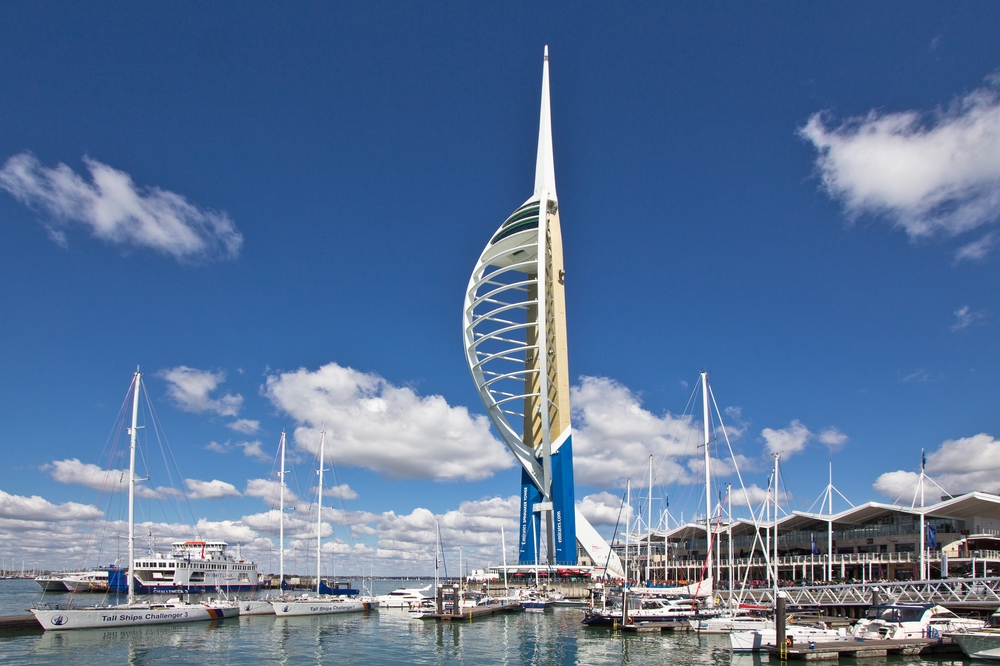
959 466
87 474
977 249
391 430
35 508
786 441
928 173
189 388
213 489
794 439
268 490
245 426
756 495
604 509
118 212
965 317
253 450
343 491
896 484
832 439
614 436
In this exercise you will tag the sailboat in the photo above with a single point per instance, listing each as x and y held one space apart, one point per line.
132 613
326 600
265 606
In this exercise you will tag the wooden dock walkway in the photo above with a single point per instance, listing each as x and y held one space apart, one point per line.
470 614
833 651
19 623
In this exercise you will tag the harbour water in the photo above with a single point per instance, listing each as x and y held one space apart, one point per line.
389 636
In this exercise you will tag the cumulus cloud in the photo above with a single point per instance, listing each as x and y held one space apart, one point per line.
392 430
269 490
189 389
115 210
614 436
73 471
245 426
794 439
35 508
927 173
213 489
786 441
965 317
604 509
959 466
343 491
756 495
832 439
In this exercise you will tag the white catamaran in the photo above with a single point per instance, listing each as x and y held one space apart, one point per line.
133 612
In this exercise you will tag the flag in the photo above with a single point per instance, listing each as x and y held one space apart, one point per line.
923 460
815 548
931 537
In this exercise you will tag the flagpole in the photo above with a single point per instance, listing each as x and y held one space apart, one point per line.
923 536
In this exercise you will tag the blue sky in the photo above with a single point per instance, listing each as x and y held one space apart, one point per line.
275 211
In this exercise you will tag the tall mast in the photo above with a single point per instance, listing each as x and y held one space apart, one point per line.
136 381
776 457
437 551
708 468
729 538
503 548
829 529
649 522
628 523
319 509
281 516
923 533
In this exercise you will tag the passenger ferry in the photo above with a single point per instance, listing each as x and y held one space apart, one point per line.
193 567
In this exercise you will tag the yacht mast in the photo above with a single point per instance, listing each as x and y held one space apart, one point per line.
649 523
503 548
136 381
776 457
281 516
628 523
319 509
708 469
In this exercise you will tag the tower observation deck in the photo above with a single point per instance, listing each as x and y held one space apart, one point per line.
514 327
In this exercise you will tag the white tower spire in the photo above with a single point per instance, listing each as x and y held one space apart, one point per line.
545 173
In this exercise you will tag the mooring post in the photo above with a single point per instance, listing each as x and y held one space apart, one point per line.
779 623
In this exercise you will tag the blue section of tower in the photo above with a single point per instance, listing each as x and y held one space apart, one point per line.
563 510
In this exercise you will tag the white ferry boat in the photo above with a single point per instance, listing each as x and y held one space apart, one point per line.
193 567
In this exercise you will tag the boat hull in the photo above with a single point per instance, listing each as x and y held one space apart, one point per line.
979 645
256 607
96 618
321 606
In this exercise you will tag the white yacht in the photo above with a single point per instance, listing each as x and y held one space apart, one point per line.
87 581
902 621
755 641
404 597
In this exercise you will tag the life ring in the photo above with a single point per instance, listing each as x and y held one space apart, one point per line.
789 642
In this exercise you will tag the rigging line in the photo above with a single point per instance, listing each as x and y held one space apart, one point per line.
732 455
165 452
614 535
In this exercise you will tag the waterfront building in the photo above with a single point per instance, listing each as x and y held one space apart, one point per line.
873 541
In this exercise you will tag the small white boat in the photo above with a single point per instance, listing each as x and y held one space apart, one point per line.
87 581
903 621
404 597
726 624
51 583
755 641
257 607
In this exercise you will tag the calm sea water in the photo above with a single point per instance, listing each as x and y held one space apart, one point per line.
388 636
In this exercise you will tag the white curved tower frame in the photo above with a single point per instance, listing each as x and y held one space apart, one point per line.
514 326
515 340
